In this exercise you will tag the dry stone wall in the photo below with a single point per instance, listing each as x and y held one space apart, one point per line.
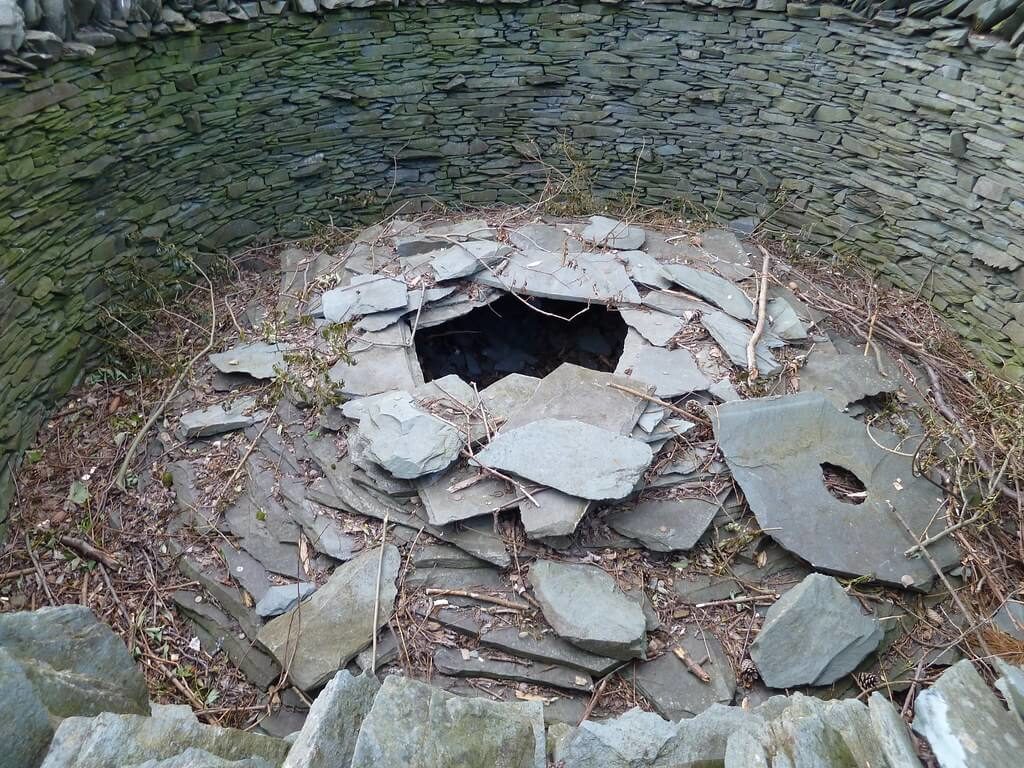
905 150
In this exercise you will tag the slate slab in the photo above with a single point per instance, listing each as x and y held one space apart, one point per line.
675 692
328 737
891 732
218 419
733 336
645 269
634 739
257 359
364 295
406 440
25 721
657 328
845 379
414 724
246 570
571 456
381 361
466 259
781 477
283 597
589 278
611 233
787 655
722 293
546 648
458 662
585 607
482 497
321 635
666 525
506 395
672 372
784 320
965 724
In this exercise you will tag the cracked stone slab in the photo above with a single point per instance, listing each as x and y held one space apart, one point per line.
964 723
666 525
328 737
364 295
417 300
611 233
724 294
787 655
570 456
283 597
503 397
381 361
585 607
672 372
444 506
846 378
645 269
467 259
589 277
246 570
457 662
218 419
547 648
674 691
781 476
405 440
336 622
784 320
257 359
657 328
733 336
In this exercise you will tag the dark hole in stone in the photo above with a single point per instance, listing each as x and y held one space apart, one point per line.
843 484
507 337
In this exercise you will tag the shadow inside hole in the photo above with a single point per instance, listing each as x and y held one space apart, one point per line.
507 336
843 484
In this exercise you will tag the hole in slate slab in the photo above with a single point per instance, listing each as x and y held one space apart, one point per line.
506 337
843 484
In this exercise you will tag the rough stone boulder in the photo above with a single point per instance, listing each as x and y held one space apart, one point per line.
328 737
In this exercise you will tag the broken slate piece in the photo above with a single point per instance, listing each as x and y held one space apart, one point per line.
645 269
546 648
458 663
406 441
283 597
656 327
611 233
965 724
723 294
467 259
505 395
589 278
381 361
785 323
634 738
258 359
733 336
845 379
328 737
246 570
365 295
584 606
482 497
217 419
571 456
337 621
666 525
674 691
782 478
672 372
813 635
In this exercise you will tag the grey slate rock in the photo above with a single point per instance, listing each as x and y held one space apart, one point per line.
891 733
24 721
674 692
733 336
328 737
672 372
1010 618
414 724
590 278
382 361
965 724
405 440
443 506
571 456
200 758
283 597
645 269
336 622
784 320
1011 685
813 635
657 328
611 233
546 648
467 259
365 295
666 525
218 419
258 359
584 606
723 294
246 570
634 739
781 477
456 663
846 378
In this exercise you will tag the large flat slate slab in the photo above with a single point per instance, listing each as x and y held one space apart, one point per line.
724 294
666 525
591 277
672 372
674 691
257 359
364 295
612 233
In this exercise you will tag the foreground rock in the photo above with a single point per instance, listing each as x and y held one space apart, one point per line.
328 737
258 359
414 725
320 636
25 721
611 233
585 607
405 440
571 456
218 419
813 635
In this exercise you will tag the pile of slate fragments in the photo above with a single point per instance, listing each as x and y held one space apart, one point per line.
663 530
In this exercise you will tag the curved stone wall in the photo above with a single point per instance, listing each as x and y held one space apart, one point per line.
904 150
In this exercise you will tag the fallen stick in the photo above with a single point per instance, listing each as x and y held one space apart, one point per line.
943 534
376 594
695 669
737 600
86 549
522 488
478 596
755 337
651 399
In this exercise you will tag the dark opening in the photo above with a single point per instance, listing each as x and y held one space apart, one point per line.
843 484
508 337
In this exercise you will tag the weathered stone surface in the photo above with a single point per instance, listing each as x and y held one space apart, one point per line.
328 737
675 692
456 663
200 758
321 635
218 419
891 732
467 259
784 320
590 277
666 525
845 379
405 440
672 372
75 664
634 738
546 648
365 295
612 233
656 327
965 724
381 361
258 359
723 294
733 336
25 722
413 725
278 599
781 476
570 456
585 607
787 655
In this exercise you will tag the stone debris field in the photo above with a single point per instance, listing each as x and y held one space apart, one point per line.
526 475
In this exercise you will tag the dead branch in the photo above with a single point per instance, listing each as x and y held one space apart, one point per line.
755 337
87 550
695 669
478 596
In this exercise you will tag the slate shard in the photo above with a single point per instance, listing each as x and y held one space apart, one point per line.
724 294
406 440
365 295
257 359
612 233
813 635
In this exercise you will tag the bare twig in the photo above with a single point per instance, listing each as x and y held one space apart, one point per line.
737 601
86 549
376 594
39 570
695 669
479 596
755 337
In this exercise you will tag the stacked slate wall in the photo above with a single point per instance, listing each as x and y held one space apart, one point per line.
907 151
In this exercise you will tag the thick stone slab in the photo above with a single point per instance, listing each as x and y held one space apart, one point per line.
724 294
467 259
328 737
406 440
845 379
672 372
381 361
456 662
674 691
218 419
365 295
257 359
666 525
547 648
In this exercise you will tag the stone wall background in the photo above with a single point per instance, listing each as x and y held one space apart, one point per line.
905 150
